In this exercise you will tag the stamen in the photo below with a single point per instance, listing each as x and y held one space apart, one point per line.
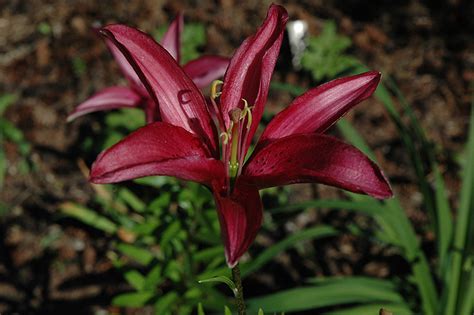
247 111
214 85
225 137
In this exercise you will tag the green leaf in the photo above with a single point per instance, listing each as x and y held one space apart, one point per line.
295 238
286 87
338 292
140 255
89 217
135 279
154 278
260 312
78 66
134 299
7 100
166 302
208 254
445 229
373 309
193 37
227 311
200 309
132 200
222 279
170 233
464 231
325 57
128 119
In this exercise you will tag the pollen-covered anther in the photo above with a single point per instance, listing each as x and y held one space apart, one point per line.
214 85
235 115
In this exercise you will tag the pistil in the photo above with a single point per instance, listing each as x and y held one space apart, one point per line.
235 116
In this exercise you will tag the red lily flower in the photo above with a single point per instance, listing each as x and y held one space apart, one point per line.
202 71
292 148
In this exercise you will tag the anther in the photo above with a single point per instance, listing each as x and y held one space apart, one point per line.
214 85
247 111
225 137
235 115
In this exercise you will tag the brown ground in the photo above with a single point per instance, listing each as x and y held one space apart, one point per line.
426 46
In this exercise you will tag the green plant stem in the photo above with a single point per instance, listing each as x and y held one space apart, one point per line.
239 290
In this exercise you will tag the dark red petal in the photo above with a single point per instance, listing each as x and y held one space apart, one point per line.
316 158
157 149
171 40
240 217
321 107
109 98
251 67
206 69
180 101
126 68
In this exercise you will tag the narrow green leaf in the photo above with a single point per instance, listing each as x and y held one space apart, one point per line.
89 217
373 309
5 101
260 312
154 278
208 254
227 311
222 279
354 137
138 254
134 299
286 87
463 226
200 310
132 200
165 302
169 233
135 279
445 226
318 296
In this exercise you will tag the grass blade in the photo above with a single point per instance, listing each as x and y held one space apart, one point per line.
463 227
339 292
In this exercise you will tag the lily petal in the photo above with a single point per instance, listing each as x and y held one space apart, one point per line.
251 67
157 149
240 217
171 40
180 101
125 67
109 98
321 107
316 158
206 69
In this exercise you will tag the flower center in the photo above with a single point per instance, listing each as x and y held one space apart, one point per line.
233 138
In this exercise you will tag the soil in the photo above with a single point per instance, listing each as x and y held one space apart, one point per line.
52 60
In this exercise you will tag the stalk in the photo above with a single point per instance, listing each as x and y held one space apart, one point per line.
239 294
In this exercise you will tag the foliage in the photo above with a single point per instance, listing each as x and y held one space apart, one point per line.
161 246
453 270
325 55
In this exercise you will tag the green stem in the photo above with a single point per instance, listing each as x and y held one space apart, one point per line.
239 294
